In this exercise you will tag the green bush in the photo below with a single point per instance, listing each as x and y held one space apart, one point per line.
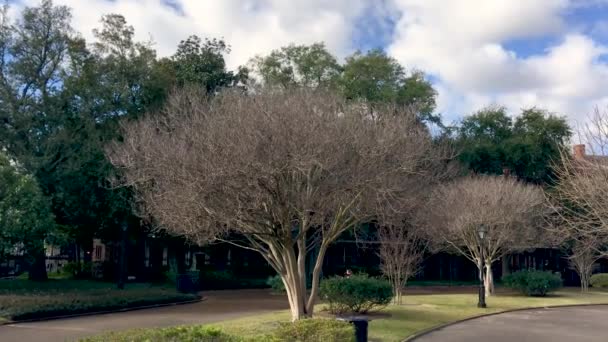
23 299
78 269
276 283
356 294
195 333
306 330
599 280
533 283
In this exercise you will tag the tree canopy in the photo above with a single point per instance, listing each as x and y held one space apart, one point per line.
491 142
26 220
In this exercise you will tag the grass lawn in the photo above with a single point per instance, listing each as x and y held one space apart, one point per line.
23 299
421 312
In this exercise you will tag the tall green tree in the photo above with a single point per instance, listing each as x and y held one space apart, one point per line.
26 220
491 142
309 66
201 63
379 78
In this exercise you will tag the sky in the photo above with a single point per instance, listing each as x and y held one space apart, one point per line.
552 54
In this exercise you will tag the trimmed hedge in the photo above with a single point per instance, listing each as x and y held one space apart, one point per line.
306 330
356 294
195 333
599 280
533 283
22 299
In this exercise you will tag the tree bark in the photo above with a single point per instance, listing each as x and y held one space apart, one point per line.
489 280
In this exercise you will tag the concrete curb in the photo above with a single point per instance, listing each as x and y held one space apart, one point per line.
104 312
445 325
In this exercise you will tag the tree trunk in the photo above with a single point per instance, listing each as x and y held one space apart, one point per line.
37 271
397 291
489 280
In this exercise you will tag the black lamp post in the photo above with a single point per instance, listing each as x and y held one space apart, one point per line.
481 231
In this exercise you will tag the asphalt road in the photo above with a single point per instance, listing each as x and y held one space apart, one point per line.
571 324
218 306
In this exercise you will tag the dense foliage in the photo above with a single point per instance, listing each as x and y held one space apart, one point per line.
26 220
356 294
532 282
492 142
599 280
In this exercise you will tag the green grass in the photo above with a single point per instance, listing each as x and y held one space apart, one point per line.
24 299
420 312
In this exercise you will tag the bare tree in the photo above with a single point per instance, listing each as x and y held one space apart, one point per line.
580 196
583 257
401 253
287 171
506 208
579 199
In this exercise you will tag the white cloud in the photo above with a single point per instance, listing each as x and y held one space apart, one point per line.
250 26
463 44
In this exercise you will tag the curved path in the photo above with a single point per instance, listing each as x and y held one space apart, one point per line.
218 306
566 324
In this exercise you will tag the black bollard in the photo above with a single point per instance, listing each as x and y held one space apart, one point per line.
360 323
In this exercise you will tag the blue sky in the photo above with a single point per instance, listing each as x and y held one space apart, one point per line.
518 53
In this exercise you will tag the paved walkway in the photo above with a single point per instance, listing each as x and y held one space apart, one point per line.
219 306
571 324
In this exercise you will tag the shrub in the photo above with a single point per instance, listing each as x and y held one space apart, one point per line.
533 283
326 330
276 283
78 269
194 333
357 294
599 280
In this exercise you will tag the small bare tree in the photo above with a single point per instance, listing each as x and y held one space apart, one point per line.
287 171
506 208
401 252
583 257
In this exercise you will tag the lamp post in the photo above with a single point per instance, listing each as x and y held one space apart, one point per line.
481 231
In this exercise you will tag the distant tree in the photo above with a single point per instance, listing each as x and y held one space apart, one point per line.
288 171
379 78
26 220
401 252
584 254
507 208
310 66
202 63
492 143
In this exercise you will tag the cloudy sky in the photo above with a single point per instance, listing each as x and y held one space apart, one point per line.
518 53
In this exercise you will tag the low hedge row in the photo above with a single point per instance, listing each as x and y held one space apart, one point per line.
307 330
50 301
